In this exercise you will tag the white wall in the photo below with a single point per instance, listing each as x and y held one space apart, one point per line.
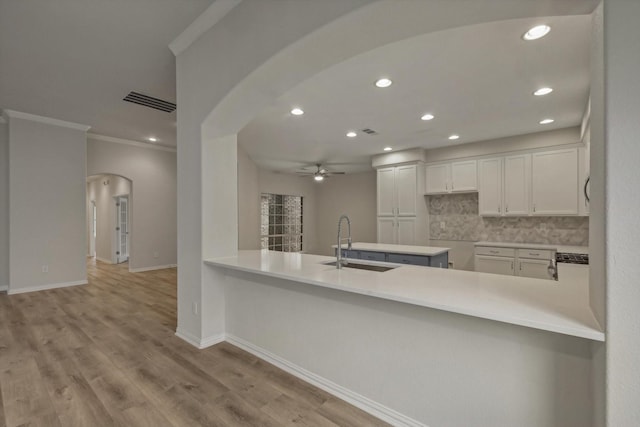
622 203
439 368
353 195
248 202
46 204
154 181
4 206
103 196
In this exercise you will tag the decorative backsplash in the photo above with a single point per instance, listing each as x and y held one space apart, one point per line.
459 212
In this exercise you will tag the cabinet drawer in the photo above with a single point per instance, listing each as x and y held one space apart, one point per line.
535 253
409 259
372 256
493 251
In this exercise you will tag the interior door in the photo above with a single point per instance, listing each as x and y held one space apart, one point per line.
122 228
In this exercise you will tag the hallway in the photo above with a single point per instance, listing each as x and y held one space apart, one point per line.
106 354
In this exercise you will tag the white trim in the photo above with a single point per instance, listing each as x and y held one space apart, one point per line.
46 287
4 288
106 261
48 120
374 408
105 138
155 267
202 24
197 342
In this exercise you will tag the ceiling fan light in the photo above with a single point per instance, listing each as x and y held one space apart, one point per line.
318 178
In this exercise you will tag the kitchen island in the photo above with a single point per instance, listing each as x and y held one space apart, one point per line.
427 256
411 343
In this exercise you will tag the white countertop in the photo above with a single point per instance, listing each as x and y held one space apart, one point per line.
533 303
557 248
396 249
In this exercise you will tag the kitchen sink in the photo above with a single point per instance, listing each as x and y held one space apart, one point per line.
360 266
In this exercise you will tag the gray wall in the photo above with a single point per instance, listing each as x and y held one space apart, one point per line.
154 181
46 205
622 203
4 206
354 195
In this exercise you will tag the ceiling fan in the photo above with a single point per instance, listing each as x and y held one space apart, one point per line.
319 174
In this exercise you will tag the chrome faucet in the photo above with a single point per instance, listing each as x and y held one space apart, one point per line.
339 261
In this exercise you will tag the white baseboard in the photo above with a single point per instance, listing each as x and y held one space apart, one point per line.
155 267
106 261
46 287
376 409
197 342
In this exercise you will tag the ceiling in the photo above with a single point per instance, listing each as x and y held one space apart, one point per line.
75 60
476 80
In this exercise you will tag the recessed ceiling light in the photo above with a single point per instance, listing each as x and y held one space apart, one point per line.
452 137
318 177
546 121
152 139
352 134
388 148
427 117
536 32
383 82
543 91
297 112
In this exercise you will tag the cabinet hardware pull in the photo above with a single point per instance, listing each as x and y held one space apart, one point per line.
511 265
520 266
506 209
534 208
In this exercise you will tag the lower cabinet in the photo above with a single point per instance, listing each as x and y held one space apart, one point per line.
521 262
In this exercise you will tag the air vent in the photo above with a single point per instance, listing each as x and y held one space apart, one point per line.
369 131
150 101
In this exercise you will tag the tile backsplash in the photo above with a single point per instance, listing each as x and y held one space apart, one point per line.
459 212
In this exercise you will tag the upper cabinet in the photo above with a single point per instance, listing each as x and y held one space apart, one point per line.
454 177
517 180
554 182
490 179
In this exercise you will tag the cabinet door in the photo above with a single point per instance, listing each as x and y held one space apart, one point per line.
464 176
438 178
406 231
386 230
517 173
554 182
494 264
536 268
583 172
386 192
406 188
490 187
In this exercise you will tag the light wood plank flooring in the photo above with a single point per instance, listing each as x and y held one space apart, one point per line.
105 354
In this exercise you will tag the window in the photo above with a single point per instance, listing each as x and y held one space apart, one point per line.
281 224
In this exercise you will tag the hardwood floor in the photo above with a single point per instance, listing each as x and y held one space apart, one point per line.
105 354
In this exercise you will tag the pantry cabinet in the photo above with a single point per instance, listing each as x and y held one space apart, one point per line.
398 230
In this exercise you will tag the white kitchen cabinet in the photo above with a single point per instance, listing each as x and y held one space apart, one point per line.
397 231
397 189
535 268
495 264
490 187
454 177
584 170
437 179
554 182
517 180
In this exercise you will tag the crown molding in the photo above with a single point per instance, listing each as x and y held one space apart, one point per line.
149 145
202 24
11 114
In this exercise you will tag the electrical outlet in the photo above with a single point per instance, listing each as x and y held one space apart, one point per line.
442 225
194 307
156 254
45 268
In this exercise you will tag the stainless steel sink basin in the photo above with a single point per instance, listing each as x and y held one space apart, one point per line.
359 266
